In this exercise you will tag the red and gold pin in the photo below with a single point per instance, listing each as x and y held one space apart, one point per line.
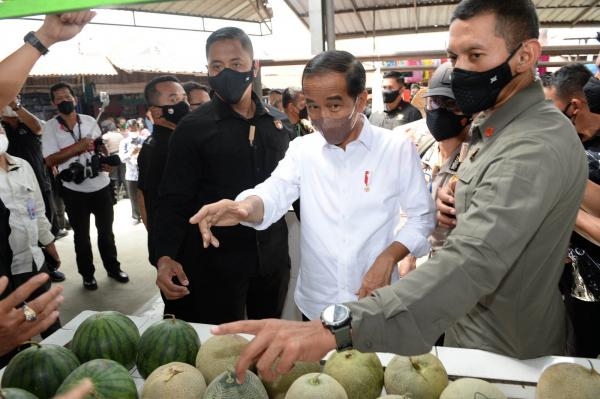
366 180
489 132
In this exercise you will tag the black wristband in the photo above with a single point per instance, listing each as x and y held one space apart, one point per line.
32 39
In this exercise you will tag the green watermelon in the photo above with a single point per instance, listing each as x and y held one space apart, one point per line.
40 369
224 386
169 340
107 335
110 379
16 393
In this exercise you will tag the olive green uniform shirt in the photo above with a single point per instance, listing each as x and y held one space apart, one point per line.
494 285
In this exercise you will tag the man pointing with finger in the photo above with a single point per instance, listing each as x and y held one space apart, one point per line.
352 179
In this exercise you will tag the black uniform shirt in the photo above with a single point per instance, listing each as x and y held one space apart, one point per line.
212 156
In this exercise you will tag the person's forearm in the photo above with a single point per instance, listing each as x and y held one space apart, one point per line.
59 157
591 196
30 120
255 207
395 252
588 226
14 70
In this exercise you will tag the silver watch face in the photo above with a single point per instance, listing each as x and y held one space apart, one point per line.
335 315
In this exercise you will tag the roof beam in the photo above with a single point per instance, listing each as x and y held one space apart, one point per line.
583 13
383 8
437 54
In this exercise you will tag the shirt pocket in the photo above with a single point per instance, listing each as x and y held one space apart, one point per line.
464 192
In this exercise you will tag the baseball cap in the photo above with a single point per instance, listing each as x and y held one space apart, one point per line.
440 82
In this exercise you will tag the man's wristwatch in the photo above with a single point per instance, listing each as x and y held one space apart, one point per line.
32 39
337 318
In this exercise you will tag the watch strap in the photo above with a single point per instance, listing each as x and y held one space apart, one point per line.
32 39
343 337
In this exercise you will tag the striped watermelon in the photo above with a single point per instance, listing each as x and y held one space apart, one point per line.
16 393
107 335
40 369
110 380
169 340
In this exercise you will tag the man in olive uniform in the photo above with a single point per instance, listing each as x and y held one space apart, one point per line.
227 145
494 286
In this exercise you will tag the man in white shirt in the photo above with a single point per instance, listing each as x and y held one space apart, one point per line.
68 143
353 180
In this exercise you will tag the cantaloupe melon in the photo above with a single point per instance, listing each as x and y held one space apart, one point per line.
224 386
568 380
361 374
316 386
279 387
467 388
174 380
218 354
419 377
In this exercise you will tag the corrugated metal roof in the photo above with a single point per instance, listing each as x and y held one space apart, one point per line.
363 18
236 10
57 64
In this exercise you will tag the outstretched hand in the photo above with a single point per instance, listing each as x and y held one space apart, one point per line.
222 213
278 344
14 329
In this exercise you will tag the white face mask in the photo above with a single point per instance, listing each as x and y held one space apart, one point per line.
3 143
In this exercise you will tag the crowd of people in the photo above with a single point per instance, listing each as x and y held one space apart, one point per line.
482 177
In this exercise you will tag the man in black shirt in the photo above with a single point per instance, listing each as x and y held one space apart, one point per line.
167 102
225 146
397 111
24 130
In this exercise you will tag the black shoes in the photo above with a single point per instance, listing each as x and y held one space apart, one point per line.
56 276
90 284
120 276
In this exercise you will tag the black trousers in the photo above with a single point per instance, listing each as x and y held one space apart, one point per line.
132 192
218 296
16 281
585 317
79 207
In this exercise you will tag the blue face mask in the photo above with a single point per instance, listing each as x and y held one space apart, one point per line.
478 91
230 85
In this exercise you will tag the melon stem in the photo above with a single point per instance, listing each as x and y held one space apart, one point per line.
315 380
172 373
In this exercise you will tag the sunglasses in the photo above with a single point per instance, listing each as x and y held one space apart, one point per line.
437 102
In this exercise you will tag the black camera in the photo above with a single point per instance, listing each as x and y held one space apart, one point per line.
77 173
99 159
74 173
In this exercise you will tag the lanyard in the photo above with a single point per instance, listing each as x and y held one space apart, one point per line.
64 125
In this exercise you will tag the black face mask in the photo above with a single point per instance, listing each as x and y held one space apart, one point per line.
478 91
230 85
66 107
173 113
303 113
444 124
389 96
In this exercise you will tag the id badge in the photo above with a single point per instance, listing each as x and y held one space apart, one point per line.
30 204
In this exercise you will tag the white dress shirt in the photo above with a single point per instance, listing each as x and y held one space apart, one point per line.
351 203
55 137
20 192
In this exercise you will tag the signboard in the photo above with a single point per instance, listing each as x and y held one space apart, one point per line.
23 8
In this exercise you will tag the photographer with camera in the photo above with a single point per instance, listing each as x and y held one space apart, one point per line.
73 143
